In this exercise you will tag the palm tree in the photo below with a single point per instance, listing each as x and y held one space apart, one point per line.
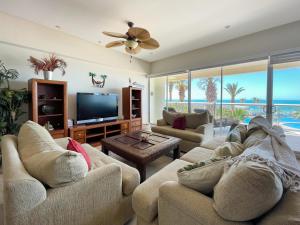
209 85
233 90
181 86
242 100
255 100
171 86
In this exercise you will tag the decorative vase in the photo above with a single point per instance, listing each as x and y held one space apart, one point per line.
48 109
48 75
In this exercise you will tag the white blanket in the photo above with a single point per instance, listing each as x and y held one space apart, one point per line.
274 152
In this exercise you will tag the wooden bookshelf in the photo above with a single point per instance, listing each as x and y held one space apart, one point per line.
132 107
53 94
92 134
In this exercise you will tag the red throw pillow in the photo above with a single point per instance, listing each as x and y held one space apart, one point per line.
76 147
180 123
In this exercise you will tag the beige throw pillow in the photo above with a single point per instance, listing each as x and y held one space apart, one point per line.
237 134
246 191
169 117
194 120
202 176
45 160
229 149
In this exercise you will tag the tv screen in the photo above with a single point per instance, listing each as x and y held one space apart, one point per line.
96 107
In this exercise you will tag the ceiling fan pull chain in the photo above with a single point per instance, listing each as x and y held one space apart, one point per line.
131 59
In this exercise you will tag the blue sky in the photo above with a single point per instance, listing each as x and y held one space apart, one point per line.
286 85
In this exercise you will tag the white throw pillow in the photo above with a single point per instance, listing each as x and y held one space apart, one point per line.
46 160
202 176
246 191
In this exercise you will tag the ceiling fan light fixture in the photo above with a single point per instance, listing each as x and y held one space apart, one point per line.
131 44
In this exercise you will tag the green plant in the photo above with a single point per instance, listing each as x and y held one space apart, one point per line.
11 102
7 74
296 115
236 114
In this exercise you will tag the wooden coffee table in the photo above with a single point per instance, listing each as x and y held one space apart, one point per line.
130 147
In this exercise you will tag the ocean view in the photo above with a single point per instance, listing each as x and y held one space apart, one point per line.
286 112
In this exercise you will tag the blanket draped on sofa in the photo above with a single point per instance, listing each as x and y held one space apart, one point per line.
274 152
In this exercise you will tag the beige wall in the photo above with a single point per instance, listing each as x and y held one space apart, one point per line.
263 43
20 39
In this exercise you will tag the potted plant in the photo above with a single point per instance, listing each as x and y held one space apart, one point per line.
48 65
11 102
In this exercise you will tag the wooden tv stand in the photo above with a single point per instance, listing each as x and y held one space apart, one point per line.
92 134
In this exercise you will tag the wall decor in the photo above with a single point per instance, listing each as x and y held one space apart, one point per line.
98 83
48 65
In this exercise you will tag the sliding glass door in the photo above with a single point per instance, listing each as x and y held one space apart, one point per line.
286 100
244 91
178 92
236 93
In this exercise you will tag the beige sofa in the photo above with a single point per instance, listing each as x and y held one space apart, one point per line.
199 127
162 200
103 197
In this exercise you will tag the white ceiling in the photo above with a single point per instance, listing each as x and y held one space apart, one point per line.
178 25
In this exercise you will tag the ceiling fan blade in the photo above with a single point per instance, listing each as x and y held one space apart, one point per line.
133 51
149 44
140 33
114 34
114 44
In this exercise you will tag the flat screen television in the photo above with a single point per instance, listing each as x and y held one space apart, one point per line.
96 107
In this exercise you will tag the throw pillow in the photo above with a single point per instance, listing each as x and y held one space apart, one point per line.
202 176
45 160
194 120
76 147
180 123
229 149
169 117
246 191
237 134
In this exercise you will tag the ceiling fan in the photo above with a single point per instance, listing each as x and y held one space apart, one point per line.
136 38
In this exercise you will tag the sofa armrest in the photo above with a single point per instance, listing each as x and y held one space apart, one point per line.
183 206
97 197
161 122
206 129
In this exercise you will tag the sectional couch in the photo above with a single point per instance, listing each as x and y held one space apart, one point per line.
162 200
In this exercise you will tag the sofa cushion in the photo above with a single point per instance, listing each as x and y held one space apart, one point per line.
194 120
203 175
197 154
47 161
286 212
213 143
130 176
187 134
169 117
246 191
179 123
145 196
